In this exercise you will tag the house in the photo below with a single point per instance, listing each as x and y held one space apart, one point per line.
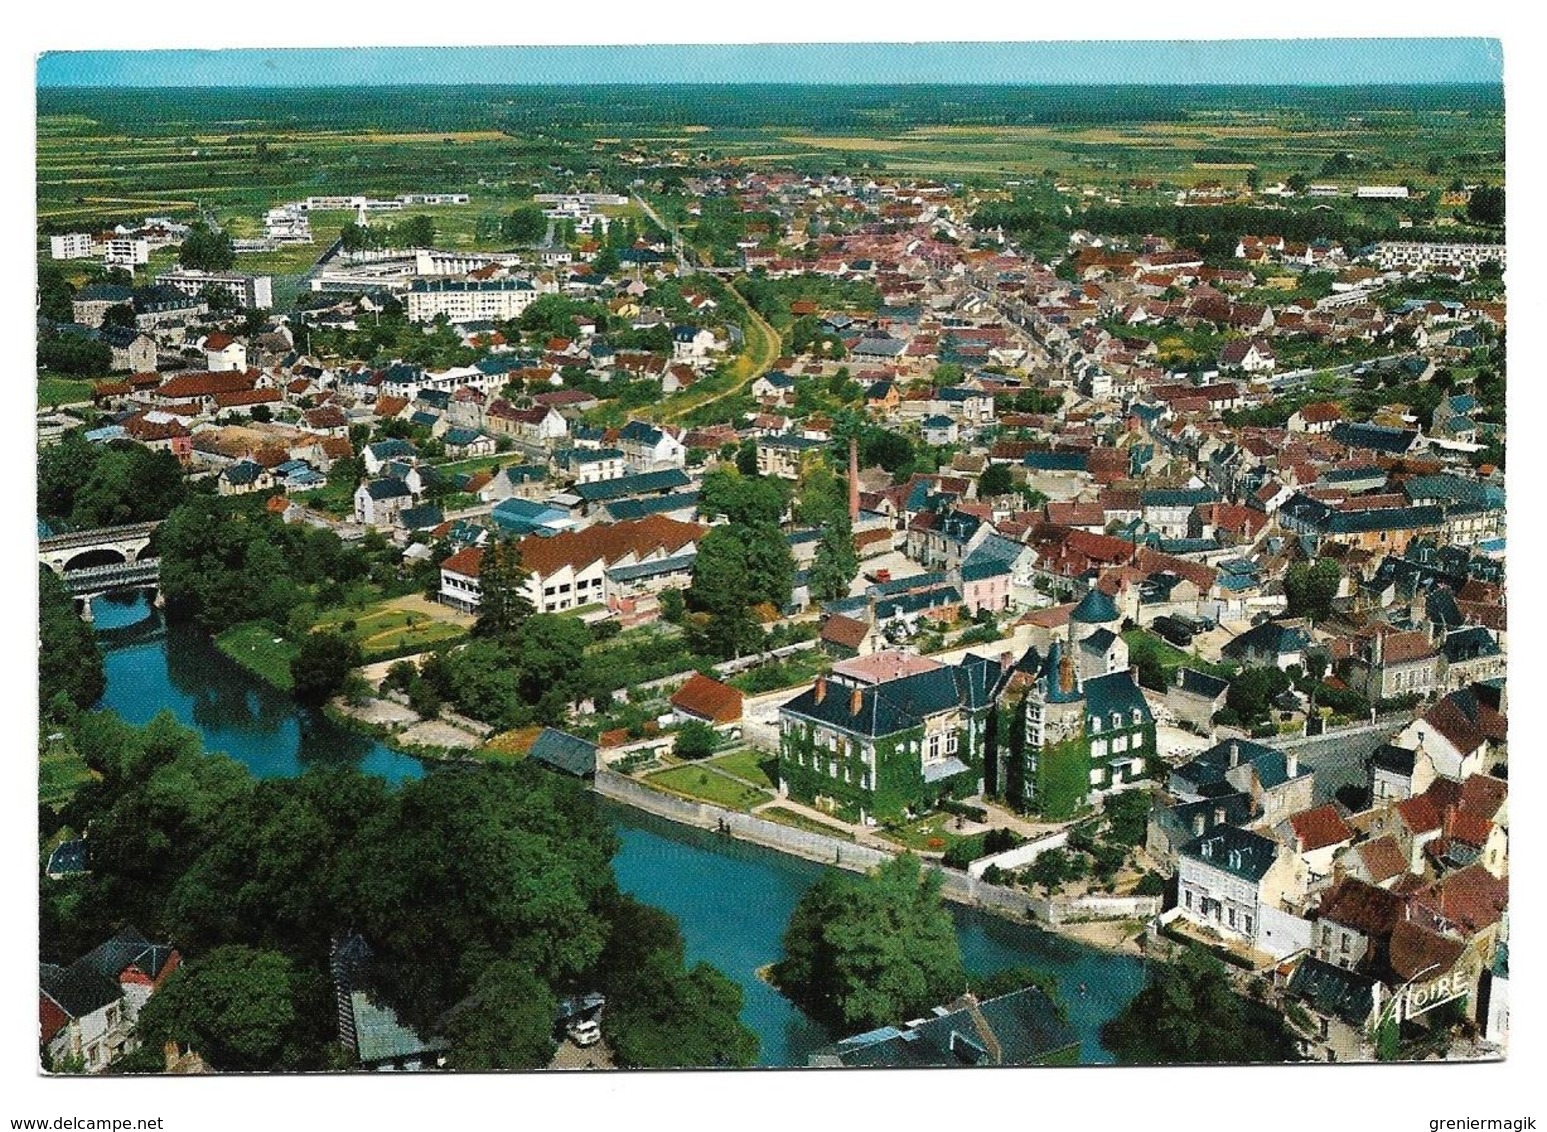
1194 698
782 455
1316 417
90 304
648 448
539 425
707 701
846 637
1463 734
1251 355
939 430
1276 643
1067 736
1387 664
133 350
1274 780
1229 876
774 388
880 751
589 465
1023 1027
1343 1004
1318 835
244 478
377 456
379 502
224 352
87 1010
1353 924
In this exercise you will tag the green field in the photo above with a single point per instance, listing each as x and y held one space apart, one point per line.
394 626
929 834
257 648
706 786
754 766
55 390
61 772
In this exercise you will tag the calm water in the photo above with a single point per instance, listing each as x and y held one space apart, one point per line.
732 899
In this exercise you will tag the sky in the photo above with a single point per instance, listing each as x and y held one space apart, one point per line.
1293 61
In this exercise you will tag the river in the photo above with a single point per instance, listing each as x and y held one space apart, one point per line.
732 899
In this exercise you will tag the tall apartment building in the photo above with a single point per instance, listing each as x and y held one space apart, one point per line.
464 300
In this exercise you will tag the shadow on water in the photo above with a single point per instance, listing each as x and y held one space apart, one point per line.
733 900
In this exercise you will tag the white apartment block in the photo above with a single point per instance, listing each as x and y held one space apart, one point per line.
255 292
1409 253
72 245
1381 192
126 251
469 300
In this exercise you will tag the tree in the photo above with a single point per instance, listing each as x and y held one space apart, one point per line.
54 293
69 661
74 354
1127 816
835 564
1252 690
506 1023
659 1014
205 249
525 225
995 480
1486 206
503 606
415 232
695 740
320 668
1190 1014
863 951
241 1008
1050 868
1311 589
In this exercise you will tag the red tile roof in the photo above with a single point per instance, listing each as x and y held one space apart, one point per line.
708 699
1320 827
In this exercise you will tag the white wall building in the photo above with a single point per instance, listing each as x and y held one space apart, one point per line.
72 245
463 300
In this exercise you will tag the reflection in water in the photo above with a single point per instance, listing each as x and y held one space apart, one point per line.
733 900
181 671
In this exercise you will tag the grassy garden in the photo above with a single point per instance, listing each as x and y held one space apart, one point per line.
796 820
704 785
397 625
928 834
256 647
756 767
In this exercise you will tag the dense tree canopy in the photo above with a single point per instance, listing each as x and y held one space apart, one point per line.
1311 588
1190 1014
863 951
206 250
93 485
320 667
69 661
483 892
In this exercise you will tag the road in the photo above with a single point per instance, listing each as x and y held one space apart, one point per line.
1338 760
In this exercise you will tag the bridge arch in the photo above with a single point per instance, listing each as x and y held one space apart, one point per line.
97 556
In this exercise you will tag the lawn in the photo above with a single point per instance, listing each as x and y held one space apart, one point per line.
393 625
256 648
800 821
707 786
56 390
928 834
61 772
755 766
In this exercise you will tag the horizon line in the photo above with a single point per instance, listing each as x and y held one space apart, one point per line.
1163 63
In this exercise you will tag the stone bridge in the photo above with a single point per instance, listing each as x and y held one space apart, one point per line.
67 553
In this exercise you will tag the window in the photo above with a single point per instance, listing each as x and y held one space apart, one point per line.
1098 748
1232 917
1187 896
1345 941
1248 920
1117 719
1326 937
934 746
1095 724
951 743
1119 743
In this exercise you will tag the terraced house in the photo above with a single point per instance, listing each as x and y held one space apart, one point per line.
884 750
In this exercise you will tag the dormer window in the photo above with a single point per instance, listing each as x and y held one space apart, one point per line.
1117 719
1095 723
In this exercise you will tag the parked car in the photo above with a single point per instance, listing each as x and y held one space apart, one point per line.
585 1032
1173 631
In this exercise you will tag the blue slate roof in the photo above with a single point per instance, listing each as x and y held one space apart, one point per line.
563 751
1069 461
658 483
1025 1027
1238 852
898 705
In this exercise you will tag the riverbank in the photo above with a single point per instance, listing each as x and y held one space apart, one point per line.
1113 937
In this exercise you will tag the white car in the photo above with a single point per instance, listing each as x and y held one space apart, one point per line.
585 1032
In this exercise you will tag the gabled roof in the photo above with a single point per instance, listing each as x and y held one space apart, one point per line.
1333 992
1369 910
708 699
1238 852
563 751
1320 827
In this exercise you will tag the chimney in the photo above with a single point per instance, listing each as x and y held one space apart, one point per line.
1200 822
821 688
853 480
1235 753
1133 674
1219 815
1179 671
1292 764
856 701
1065 671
